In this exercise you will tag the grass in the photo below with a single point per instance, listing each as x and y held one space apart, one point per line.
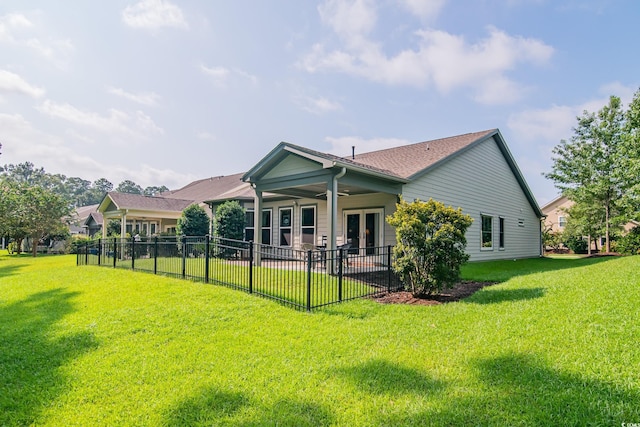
286 285
554 343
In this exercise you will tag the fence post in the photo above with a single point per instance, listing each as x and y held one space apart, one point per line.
184 256
340 259
86 252
206 258
115 252
251 267
389 268
133 253
155 255
309 280
99 250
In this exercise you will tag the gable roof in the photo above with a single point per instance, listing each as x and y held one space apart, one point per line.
407 161
399 164
137 201
95 216
205 189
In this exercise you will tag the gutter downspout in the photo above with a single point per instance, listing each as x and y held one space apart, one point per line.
332 208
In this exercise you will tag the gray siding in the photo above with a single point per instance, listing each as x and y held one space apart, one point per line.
481 182
292 165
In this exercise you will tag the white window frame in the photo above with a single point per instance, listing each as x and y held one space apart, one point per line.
284 227
562 221
264 227
313 227
482 232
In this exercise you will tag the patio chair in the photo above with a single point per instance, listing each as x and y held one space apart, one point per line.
316 255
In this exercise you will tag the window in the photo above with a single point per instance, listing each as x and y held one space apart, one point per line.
562 221
501 241
286 220
486 240
308 224
249 226
153 228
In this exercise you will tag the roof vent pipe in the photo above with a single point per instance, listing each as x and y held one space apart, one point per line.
353 152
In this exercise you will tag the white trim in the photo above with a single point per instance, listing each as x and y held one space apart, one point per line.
482 247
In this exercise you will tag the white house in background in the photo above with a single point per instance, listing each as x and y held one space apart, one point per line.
306 196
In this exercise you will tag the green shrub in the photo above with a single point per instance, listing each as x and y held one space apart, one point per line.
630 243
430 245
576 244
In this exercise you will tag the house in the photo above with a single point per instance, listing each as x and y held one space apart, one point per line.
307 197
556 217
310 197
146 215
150 215
93 223
555 213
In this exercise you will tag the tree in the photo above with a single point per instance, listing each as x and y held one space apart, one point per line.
31 211
430 245
154 190
128 186
229 221
194 221
589 169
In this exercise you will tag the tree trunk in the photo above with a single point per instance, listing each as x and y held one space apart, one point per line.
607 243
34 245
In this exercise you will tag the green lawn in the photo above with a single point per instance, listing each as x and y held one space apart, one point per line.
555 343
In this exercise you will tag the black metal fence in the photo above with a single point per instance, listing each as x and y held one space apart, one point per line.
303 279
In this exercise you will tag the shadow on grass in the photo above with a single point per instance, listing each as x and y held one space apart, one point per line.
519 389
384 377
495 296
215 407
9 270
31 355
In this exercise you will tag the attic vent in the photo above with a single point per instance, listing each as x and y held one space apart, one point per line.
427 147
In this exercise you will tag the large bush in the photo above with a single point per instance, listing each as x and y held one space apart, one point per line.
194 221
229 224
430 245
577 244
630 243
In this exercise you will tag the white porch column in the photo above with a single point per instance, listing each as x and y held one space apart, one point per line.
104 227
257 227
123 226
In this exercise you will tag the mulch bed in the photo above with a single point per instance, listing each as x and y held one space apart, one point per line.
458 292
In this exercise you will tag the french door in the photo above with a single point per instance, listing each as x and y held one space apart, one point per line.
363 228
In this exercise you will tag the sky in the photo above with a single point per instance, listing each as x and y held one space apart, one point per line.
165 92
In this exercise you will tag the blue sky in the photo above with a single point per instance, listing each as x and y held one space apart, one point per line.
166 92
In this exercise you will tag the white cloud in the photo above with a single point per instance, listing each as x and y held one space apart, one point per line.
342 146
221 76
10 82
440 59
22 142
557 121
207 136
147 98
12 31
117 122
317 105
154 14
350 19
426 10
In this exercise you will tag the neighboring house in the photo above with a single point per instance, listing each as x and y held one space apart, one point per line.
149 215
93 223
555 213
306 196
145 215
78 218
556 217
